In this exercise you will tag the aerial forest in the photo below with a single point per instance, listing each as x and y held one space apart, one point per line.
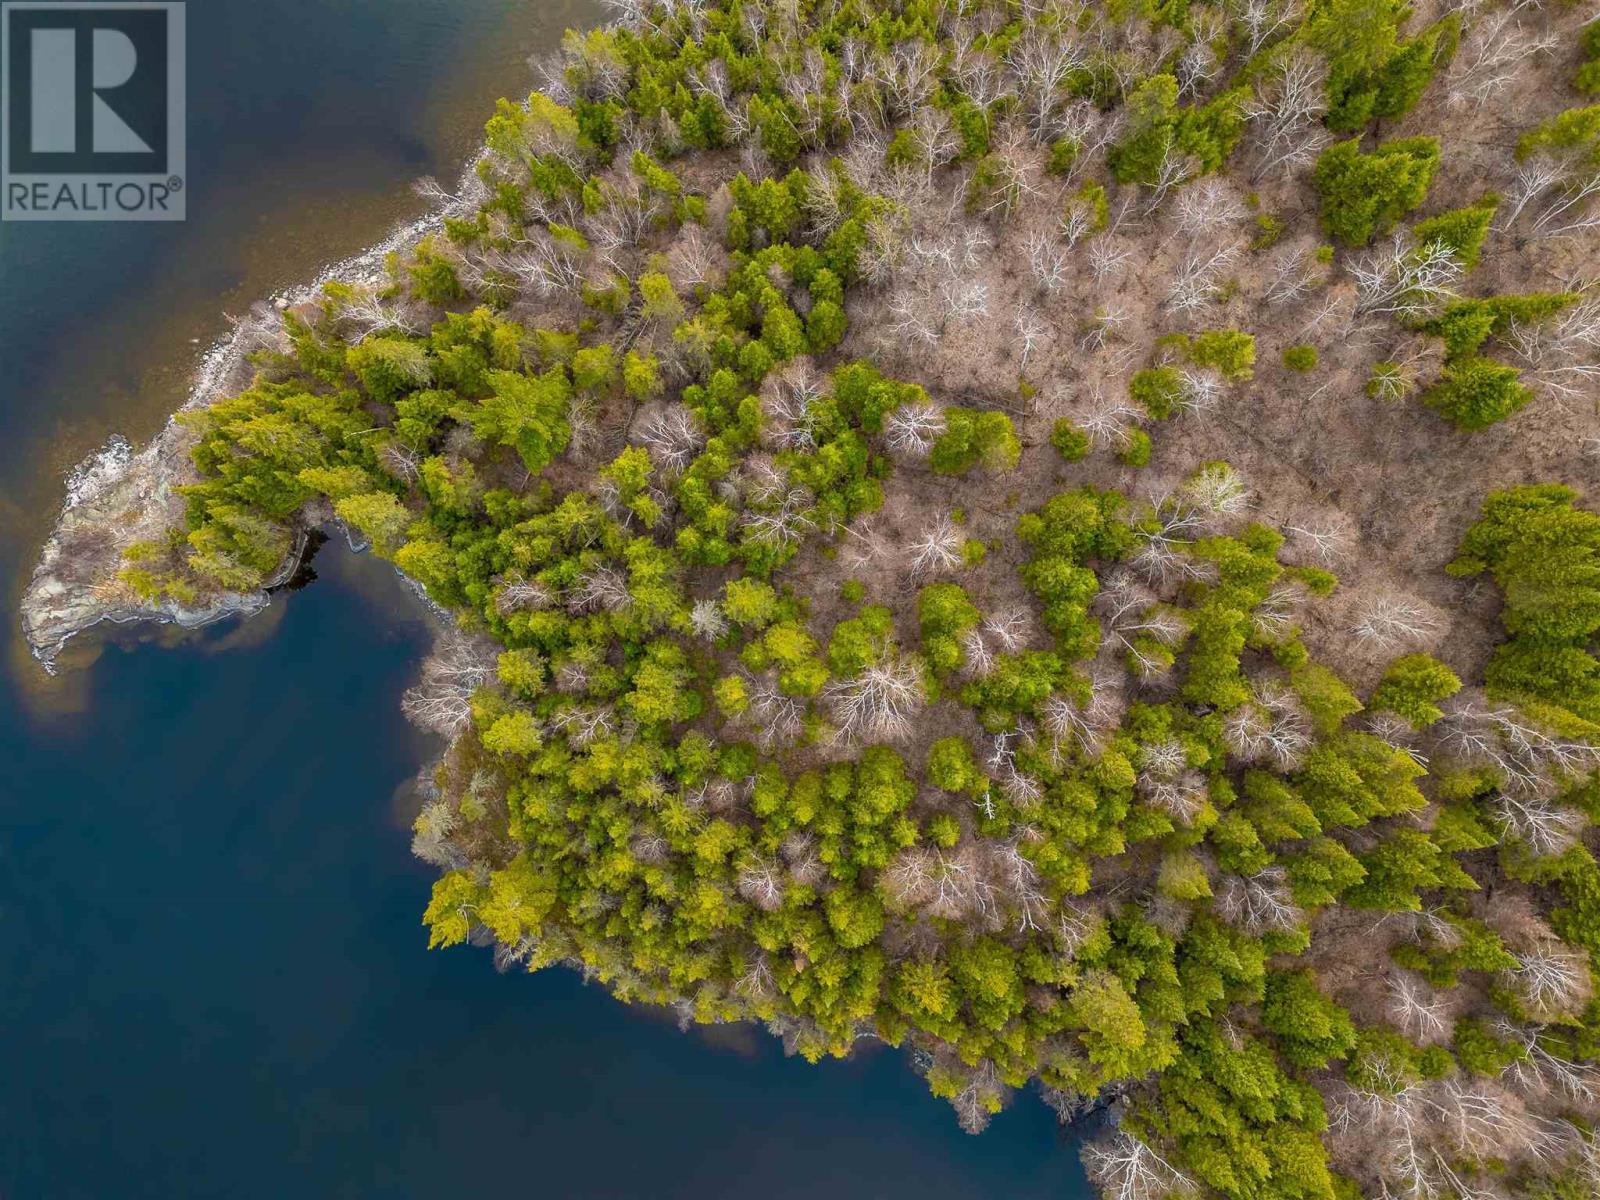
1057 535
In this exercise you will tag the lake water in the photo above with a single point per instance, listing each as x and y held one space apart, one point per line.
213 979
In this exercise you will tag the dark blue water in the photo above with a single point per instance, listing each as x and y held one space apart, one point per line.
213 979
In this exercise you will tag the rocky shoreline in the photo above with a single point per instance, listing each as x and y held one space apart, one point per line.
119 495
114 498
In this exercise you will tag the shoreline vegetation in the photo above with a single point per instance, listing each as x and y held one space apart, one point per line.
1035 533
468 58
117 495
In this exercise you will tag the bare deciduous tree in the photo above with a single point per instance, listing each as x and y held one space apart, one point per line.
442 699
1110 424
1390 620
937 550
1489 57
1285 113
584 724
1140 626
1031 330
516 594
786 404
1571 209
910 75
431 835
756 983
1405 281
1263 19
1540 822
1217 490
1529 758
1553 981
778 719
1107 258
1293 274
1009 627
1199 276
1174 169
1259 903
1043 61
980 1099
692 260
784 519
1199 63
1087 724
979 658
1540 1071
1206 208
1046 264
370 313
1125 1168
1322 537
1421 1013
401 461
600 589
761 883
879 701
1557 356
1273 729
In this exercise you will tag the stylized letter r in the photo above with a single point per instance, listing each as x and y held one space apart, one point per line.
55 92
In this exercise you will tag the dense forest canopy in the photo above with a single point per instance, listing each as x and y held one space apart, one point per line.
877 611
